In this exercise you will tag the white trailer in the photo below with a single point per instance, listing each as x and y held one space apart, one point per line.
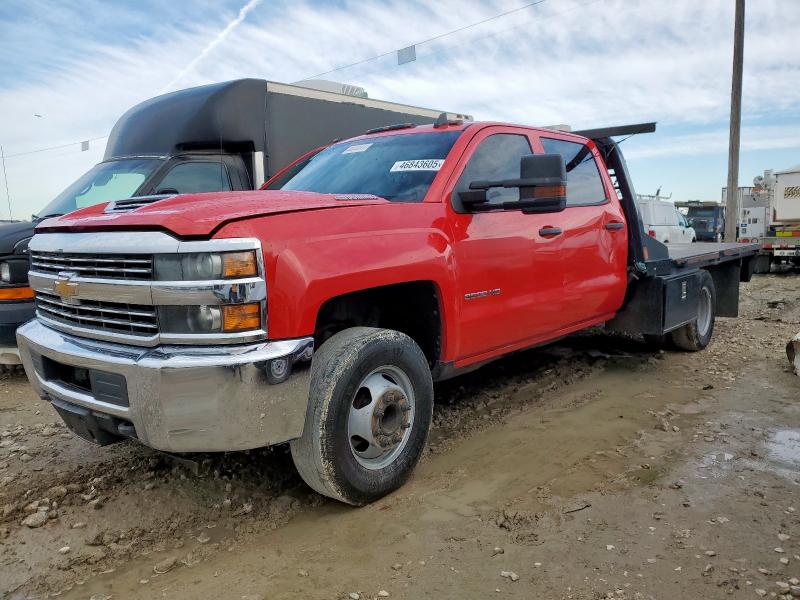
775 200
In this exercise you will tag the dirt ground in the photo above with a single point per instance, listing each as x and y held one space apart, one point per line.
593 468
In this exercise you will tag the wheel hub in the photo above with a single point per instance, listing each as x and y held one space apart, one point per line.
381 417
390 418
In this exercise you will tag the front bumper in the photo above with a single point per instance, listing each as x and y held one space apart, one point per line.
706 236
172 398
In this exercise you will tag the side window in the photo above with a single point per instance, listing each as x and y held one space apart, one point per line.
196 177
497 157
584 185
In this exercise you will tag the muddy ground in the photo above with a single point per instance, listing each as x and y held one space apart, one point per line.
594 468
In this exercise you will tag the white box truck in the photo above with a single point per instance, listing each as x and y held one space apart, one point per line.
771 218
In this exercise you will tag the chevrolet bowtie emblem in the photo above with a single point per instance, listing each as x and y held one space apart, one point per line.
65 287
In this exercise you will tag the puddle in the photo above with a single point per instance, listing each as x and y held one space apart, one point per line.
784 447
782 455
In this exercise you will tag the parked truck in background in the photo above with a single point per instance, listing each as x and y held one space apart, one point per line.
321 313
707 219
770 216
221 137
663 221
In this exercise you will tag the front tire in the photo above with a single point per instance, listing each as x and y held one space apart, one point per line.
696 335
369 412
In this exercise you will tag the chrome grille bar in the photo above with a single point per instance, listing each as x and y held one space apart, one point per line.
92 265
84 306
111 316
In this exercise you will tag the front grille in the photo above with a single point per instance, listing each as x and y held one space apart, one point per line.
132 319
107 266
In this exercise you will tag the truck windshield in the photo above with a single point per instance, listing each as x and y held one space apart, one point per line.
702 213
106 181
399 168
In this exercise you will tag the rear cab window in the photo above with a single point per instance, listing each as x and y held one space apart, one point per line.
584 184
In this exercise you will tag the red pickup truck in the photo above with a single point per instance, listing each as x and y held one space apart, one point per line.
321 313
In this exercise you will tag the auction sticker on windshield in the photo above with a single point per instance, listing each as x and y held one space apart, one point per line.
425 164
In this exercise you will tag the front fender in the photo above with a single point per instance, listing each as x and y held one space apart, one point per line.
329 253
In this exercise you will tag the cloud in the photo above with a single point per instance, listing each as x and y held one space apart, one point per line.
764 137
583 62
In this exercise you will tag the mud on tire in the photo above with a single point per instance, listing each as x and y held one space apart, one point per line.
377 373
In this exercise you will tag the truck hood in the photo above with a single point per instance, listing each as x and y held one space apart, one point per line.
13 233
193 215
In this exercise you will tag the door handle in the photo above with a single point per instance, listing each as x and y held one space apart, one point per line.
550 231
614 225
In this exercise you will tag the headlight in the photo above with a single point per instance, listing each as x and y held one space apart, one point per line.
14 271
204 266
229 318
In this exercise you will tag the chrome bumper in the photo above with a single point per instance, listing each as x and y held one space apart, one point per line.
181 398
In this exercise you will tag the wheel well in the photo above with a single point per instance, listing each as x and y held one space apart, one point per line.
412 308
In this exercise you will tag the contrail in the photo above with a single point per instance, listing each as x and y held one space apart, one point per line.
213 43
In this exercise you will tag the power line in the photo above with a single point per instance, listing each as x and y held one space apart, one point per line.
432 39
55 147
481 38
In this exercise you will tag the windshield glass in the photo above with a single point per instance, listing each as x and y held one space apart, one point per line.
107 181
399 168
703 213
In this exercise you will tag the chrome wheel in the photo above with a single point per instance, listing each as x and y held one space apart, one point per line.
704 309
381 417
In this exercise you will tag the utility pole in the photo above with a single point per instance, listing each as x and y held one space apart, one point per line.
732 200
5 176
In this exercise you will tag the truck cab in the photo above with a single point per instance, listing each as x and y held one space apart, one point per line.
706 218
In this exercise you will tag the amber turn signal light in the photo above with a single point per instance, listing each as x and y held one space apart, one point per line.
241 317
239 264
16 293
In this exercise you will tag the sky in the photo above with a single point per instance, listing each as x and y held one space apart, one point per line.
72 67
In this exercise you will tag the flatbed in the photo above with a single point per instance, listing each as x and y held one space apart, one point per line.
711 253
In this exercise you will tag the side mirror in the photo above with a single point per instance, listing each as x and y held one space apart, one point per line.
542 187
545 183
